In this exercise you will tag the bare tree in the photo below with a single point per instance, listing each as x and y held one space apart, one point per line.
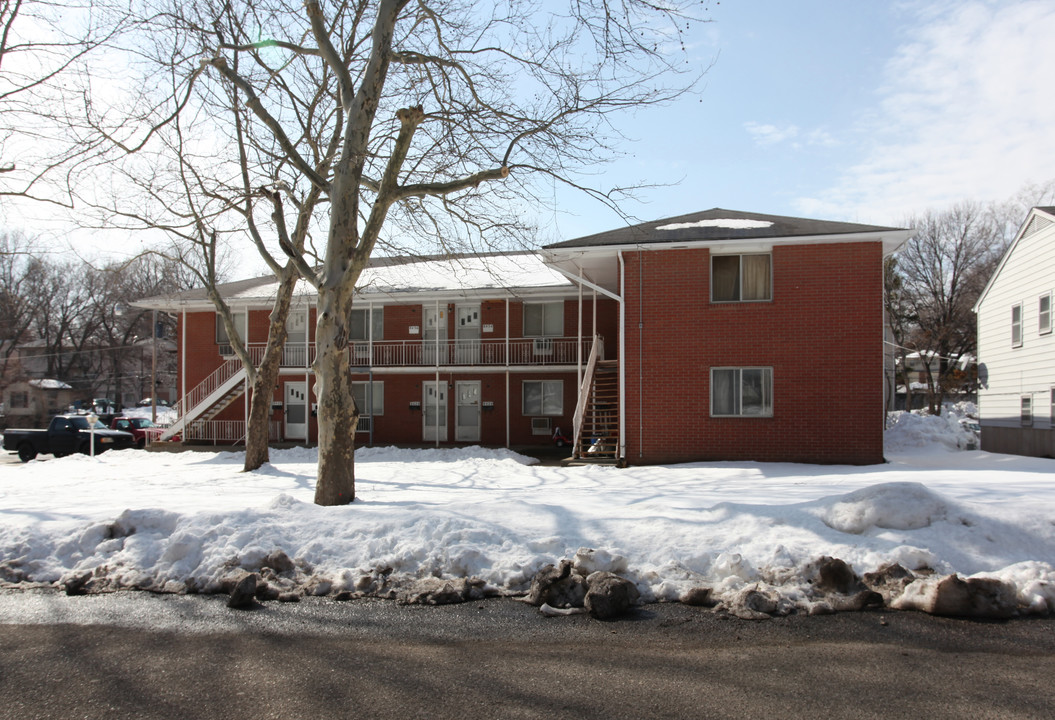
433 118
944 269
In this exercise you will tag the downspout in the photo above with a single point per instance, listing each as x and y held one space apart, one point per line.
622 360
307 381
578 339
437 333
183 368
508 416
370 366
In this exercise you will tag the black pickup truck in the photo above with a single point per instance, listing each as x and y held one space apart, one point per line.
67 434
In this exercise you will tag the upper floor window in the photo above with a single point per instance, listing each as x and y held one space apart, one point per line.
742 392
544 319
240 323
1016 326
358 328
1045 314
741 278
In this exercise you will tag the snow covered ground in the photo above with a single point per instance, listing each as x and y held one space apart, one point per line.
192 521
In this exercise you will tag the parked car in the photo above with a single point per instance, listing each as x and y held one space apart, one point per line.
65 435
143 429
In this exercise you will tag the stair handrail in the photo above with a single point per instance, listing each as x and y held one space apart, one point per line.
584 393
208 386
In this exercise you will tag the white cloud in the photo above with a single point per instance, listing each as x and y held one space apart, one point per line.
765 134
965 112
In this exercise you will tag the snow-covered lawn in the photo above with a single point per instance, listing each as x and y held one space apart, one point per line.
192 520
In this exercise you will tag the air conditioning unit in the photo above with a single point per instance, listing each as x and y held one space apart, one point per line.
226 350
541 426
543 346
365 424
361 351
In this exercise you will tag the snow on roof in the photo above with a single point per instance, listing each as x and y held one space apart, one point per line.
455 274
730 223
50 384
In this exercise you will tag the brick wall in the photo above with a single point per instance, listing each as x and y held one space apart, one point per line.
822 334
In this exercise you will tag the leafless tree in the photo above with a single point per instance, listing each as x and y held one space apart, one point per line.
404 120
944 269
43 43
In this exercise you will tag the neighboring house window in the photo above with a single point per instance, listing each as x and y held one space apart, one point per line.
19 400
369 397
1016 326
221 330
544 319
1053 407
359 330
741 278
1045 314
1027 409
543 397
742 392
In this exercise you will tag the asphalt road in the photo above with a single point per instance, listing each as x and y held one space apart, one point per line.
139 656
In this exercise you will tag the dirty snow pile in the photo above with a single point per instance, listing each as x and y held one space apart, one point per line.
758 538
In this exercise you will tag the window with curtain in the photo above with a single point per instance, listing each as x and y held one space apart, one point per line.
544 397
742 392
358 329
741 278
544 319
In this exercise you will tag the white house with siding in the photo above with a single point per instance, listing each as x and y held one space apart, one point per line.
1016 345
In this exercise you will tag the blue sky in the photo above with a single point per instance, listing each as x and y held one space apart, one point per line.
847 110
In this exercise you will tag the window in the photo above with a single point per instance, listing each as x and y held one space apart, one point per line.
19 399
1016 326
358 328
544 319
221 330
1053 407
369 397
741 278
543 397
1027 410
742 392
1045 314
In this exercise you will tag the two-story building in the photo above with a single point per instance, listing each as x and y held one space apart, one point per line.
1016 346
700 337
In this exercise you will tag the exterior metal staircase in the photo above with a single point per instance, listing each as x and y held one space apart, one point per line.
596 419
209 398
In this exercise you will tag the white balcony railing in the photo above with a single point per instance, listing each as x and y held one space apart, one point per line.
429 353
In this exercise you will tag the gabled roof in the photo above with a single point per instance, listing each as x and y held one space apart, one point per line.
1038 219
719 224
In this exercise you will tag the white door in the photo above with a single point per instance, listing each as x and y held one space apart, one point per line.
296 407
467 335
434 335
434 416
294 352
467 413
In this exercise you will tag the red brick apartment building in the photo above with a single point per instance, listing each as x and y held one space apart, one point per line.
719 335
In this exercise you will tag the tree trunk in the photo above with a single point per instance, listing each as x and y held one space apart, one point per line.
265 378
338 415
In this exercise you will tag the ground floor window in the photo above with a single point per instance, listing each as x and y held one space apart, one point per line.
369 397
1027 410
742 392
543 397
18 399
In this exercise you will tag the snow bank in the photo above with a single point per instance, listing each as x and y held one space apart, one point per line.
908 431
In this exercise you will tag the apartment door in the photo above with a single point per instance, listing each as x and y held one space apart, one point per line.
296 415
467 334
295 352
434 413
467 412
434 335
